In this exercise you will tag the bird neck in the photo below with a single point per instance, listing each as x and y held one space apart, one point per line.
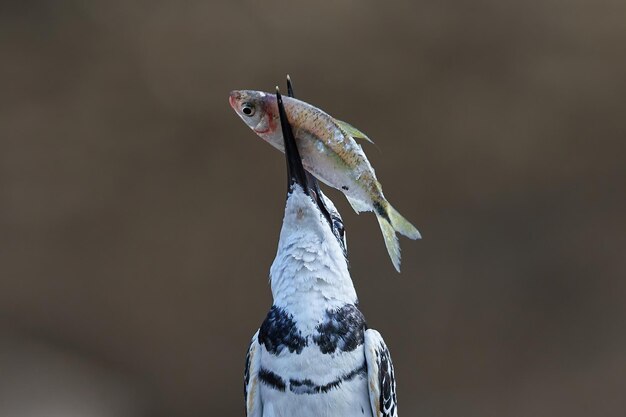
310 276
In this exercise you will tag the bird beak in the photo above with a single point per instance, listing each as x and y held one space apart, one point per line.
296 174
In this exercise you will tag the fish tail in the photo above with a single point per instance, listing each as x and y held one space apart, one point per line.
391 240
390 222
402 225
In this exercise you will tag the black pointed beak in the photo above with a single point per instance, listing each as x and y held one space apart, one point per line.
296 174
289 87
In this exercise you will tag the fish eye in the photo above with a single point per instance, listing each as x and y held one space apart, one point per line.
247 109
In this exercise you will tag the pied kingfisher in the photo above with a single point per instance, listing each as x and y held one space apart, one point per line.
314 356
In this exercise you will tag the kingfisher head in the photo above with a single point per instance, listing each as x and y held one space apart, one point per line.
312 227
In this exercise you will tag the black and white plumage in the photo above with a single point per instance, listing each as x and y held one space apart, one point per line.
382 388
313 355
375 378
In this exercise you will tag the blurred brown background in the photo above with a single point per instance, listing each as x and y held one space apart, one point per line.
139 216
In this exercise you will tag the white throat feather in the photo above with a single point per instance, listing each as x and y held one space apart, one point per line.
310 272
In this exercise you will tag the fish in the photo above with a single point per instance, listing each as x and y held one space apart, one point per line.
330 152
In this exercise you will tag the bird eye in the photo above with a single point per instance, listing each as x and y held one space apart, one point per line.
340 232
339 227
247 109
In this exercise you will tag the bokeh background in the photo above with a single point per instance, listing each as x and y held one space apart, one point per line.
139 216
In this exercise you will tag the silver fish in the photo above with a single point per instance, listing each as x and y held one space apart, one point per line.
329 151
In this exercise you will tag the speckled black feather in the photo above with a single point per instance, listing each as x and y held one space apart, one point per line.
343 330
246 375
279 331
272 380
387 381
306 386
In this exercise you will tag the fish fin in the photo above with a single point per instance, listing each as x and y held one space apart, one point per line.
390 222
353 131
357 205
391 240
402 225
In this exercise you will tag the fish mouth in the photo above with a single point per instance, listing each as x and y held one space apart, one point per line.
296 174
233 98
261 132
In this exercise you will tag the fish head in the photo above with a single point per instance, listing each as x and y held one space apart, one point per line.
257 109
